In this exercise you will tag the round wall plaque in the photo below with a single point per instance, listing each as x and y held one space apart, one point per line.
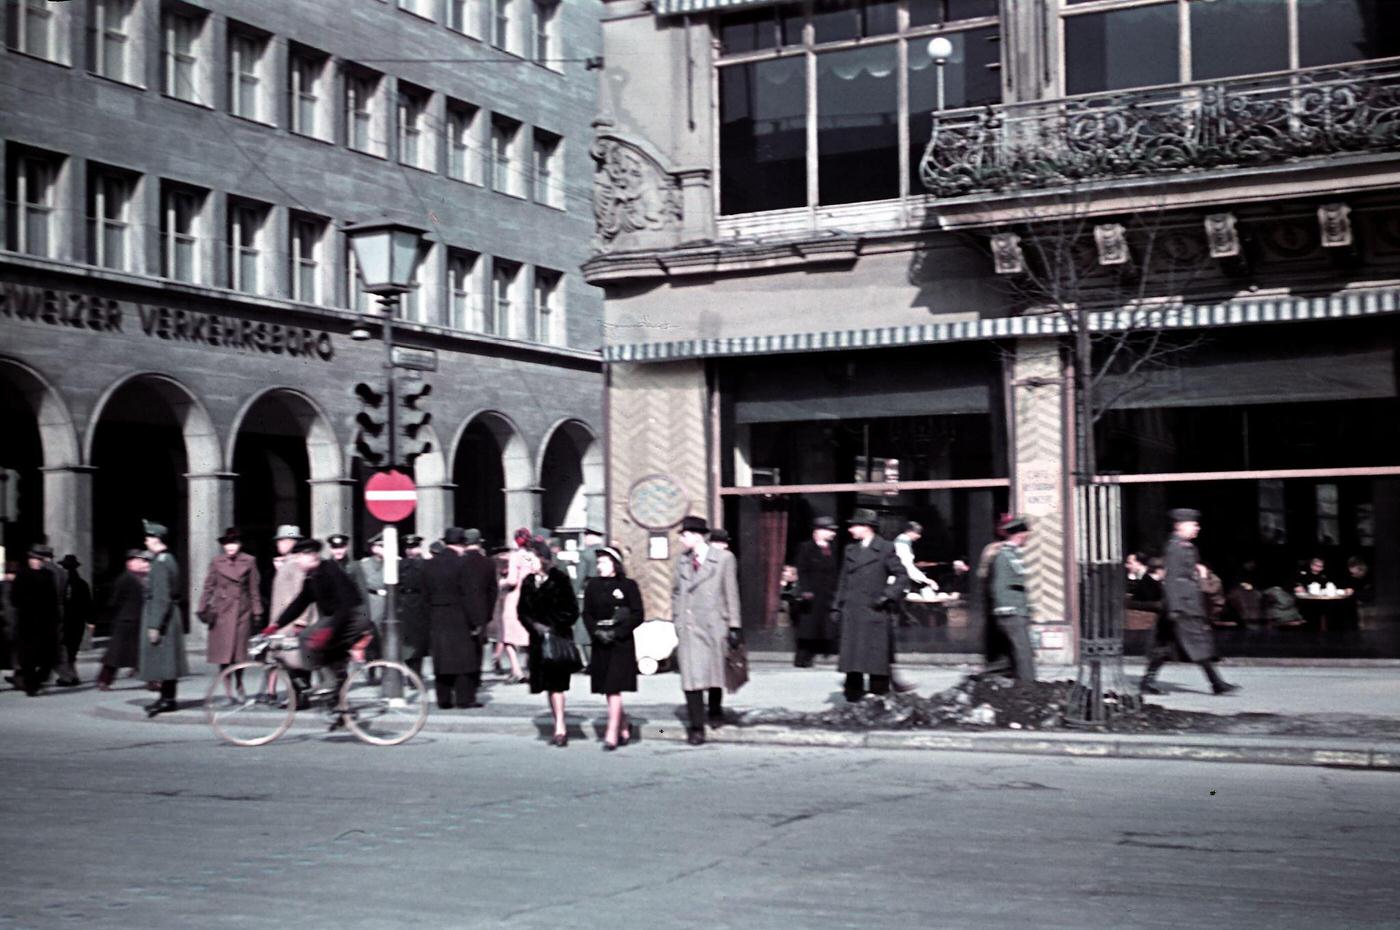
657 502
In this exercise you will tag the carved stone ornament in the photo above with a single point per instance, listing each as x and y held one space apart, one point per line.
631 191
1221 234
1006 253
1112 241
1335 222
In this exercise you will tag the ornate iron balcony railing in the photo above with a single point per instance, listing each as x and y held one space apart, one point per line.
1244 122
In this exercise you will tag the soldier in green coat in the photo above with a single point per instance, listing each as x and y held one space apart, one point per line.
163 649
1010 606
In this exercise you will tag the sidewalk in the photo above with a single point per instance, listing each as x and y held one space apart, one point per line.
1284 715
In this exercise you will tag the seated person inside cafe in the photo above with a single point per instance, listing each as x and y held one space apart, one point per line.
1314 574
342 628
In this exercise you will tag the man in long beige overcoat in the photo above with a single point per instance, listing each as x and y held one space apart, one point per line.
705 610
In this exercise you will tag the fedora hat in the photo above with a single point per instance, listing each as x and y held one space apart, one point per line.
864 516
694 524
70 561
288 531
824 523
307 545
231 535
455 536
471 537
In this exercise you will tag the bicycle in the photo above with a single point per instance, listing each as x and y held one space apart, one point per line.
253 703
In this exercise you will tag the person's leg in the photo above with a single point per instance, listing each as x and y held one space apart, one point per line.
445 683
167 689
1217 684
106 677
556 706
855 686
464 690
1017 631
802 657
416 664
513 656
610 733
880 684
716 701
1155 661
695 714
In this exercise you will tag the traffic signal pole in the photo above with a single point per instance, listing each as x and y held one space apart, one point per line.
393 686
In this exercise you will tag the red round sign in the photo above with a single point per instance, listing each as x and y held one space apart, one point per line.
390 496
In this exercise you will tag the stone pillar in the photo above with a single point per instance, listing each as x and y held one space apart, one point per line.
210 510
595 509
524 507
1040 489
68 511
435 507
332 500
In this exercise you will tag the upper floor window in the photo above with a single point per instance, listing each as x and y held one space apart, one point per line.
40 28
110 193
182 51
306 257
182 236
1115 45
32 189
503 26
468 306
245 67
505 279
548 174
415 147
544 34
247 221
506 174
306 79
423 8
465 160
112 46
845 75
466 16
545 321
364 111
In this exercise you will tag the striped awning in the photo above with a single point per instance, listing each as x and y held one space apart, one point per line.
681 7
1240 312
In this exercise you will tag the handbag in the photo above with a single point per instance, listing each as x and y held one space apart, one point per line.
559 654
736 668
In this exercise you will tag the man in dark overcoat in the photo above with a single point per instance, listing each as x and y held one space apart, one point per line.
163 648
816 587
484 583
868 593
35 596
1182 625
124 606
410 606
455 622
78 615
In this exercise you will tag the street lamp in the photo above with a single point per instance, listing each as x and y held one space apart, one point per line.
940 49
387 256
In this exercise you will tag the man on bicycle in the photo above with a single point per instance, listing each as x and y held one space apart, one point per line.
342 630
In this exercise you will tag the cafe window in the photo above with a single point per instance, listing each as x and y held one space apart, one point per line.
1131 44
831 73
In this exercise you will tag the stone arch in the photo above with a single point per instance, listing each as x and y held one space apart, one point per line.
53 487
572 475
57 435
202 447
323 450
494 474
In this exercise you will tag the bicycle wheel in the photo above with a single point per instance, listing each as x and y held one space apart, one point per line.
375 718
251 714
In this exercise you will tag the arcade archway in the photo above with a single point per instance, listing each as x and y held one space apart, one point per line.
38 436
490 463
571 475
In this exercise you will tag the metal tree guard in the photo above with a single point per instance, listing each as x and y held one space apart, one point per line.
1100 692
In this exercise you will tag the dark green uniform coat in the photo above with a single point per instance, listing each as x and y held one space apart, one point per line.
165 660
1182 624
868 593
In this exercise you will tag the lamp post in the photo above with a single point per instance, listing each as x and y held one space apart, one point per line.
387 255
940 49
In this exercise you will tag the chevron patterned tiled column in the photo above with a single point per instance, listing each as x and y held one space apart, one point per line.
656 427
1040 490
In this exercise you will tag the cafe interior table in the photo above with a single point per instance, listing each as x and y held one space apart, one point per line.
1323 601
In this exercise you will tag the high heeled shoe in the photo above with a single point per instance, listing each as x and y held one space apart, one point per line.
560 739
626 733
610 747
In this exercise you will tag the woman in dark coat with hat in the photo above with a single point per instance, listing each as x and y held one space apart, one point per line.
231 602
547 605
816 586
124 615
612 609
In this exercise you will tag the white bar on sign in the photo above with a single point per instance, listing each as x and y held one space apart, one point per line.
391 555
391 495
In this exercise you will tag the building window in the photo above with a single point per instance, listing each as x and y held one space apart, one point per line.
548 170
504 278
246 221
40 28
468 308
543 33
305 69
244 79
180 227
1329 523
180 38
1273 512
544 323
421 8
307 234
501 24
363 115
458 12
506 175
464 149
33 195
109 217
111 39
414 147
836 73
1141 45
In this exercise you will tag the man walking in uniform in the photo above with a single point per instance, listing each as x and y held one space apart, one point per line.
1183 625
872 582
163 650
705 610
1010 606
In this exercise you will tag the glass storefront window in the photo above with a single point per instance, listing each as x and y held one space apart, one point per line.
1115 49
971 78
1332 31
763 143
1216 28
858 125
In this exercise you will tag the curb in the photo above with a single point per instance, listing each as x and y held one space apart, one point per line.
1248 750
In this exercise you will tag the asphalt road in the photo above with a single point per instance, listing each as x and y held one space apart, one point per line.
139 825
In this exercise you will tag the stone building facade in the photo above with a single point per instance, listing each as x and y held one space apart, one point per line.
847 249
177 296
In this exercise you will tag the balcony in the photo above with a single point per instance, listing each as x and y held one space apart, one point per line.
1180 131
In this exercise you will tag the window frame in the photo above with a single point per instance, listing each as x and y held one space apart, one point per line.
546 150
302 61
413 140
245 48
100 179
807 50
102 31
370 118
172 196
544 33
504 299
56 24
245 225
547 304
299 262
505 156
463 125
466 310
45 209
176 25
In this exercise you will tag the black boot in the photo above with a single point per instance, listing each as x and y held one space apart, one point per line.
1147 686
1218 685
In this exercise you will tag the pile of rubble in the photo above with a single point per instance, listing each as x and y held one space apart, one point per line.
980 704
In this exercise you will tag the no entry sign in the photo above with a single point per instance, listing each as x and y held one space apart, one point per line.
390 496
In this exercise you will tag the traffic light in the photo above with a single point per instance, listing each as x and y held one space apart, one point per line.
371 436
413 418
